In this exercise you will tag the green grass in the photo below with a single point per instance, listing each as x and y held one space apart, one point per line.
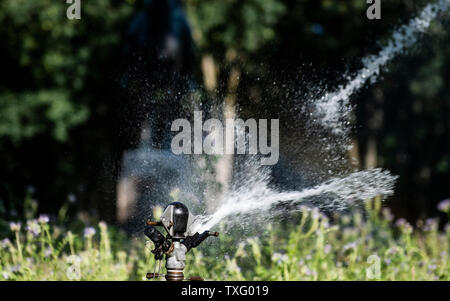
352 247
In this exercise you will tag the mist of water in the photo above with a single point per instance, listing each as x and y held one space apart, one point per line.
252 197
333 108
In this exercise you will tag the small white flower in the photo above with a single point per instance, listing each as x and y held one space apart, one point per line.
315 214
102 225
431 267
327 248
33 227
280 258
43 219
48 252
351 245
89 232
72 198
392 250
5 275
387 213
15 268
400 222
15 226
310 272
4 243
444 205
404 225
431 224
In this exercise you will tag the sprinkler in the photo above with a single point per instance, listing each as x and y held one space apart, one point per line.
177 221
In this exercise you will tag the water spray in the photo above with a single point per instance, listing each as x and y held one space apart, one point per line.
333 109
177 220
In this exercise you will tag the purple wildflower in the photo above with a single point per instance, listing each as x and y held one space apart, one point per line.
4 243
89 232
5 275
33 227
15 226
43 219
444 205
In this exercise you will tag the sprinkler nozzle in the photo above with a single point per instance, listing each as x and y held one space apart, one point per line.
196 239
162 244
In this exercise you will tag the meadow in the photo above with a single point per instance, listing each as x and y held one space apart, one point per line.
368 244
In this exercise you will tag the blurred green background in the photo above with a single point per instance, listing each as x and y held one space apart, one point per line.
64 126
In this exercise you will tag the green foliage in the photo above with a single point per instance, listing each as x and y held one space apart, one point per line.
54 83
312 249
241 25
48 61
26 114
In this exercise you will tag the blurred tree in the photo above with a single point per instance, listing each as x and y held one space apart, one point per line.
55 75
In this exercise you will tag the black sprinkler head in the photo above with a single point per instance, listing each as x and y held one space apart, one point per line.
180 217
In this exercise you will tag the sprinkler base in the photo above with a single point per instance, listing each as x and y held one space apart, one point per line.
174 275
